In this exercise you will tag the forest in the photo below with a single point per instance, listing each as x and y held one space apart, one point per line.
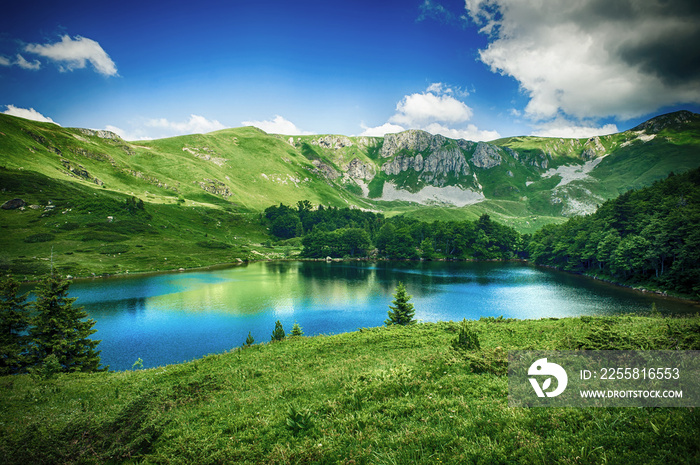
649 237
344 232
646 237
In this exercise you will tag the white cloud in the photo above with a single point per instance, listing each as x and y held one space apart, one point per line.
30 113
563 128
75 53
21 62
435 104
195 125
127 135
381 131
436 111
470 132
278 125
593 59
24 64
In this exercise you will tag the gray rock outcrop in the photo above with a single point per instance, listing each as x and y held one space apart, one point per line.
413 140
486 156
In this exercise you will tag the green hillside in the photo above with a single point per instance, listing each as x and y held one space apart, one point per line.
381 395
95 203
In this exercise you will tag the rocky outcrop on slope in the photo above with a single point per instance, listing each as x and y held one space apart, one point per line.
678 118
412 140
358 170
592 149
332 142
486 156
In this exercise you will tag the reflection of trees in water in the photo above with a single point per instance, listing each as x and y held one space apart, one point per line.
279 267
135 305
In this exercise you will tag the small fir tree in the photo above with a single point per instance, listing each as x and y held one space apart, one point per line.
14 321
402 311
278 333
249 341
467 338
296 330
60 329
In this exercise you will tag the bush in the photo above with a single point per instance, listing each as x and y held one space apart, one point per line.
41 237
467 339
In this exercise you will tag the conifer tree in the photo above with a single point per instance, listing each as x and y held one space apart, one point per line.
250 340
402 311
278 333
14 320
296 330
60 329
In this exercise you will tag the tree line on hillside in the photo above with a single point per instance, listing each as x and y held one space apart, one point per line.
46 336
650 235
345 232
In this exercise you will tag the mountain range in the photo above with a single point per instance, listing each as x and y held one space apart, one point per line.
216 184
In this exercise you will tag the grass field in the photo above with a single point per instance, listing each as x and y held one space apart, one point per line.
382 396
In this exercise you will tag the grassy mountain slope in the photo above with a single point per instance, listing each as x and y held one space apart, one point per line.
380 395
202 194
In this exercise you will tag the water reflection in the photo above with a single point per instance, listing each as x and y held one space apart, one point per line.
175 317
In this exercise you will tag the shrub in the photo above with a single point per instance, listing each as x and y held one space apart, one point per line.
467 339
298 421
250 340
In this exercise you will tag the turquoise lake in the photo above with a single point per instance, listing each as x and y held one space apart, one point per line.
175 317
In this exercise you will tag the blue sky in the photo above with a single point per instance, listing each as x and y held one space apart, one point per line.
477 69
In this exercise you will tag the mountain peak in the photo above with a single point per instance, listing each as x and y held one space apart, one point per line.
674 120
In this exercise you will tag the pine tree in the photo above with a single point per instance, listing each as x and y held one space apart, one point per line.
296 330
14 320
60 329
249 341
402 311
278 333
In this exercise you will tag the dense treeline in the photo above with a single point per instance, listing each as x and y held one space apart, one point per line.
344 232
651 235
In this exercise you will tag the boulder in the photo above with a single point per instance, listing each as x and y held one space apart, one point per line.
13 204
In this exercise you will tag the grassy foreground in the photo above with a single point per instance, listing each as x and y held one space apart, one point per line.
381 395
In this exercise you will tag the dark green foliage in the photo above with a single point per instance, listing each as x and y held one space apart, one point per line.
650 236
467 338
40 237
278 332
60 329
336 244
14 321
402 311
296 330
298 421
250 340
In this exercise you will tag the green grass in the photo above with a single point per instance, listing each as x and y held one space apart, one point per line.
380 395
211 188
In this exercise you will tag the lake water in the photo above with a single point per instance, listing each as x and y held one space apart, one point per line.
176 317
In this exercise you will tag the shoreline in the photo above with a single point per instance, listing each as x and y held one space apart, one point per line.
241 262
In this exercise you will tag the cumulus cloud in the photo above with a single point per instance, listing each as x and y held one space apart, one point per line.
74 53
277 125
436 111
30 113
195 125
593 58
435 104
4 61
381 131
